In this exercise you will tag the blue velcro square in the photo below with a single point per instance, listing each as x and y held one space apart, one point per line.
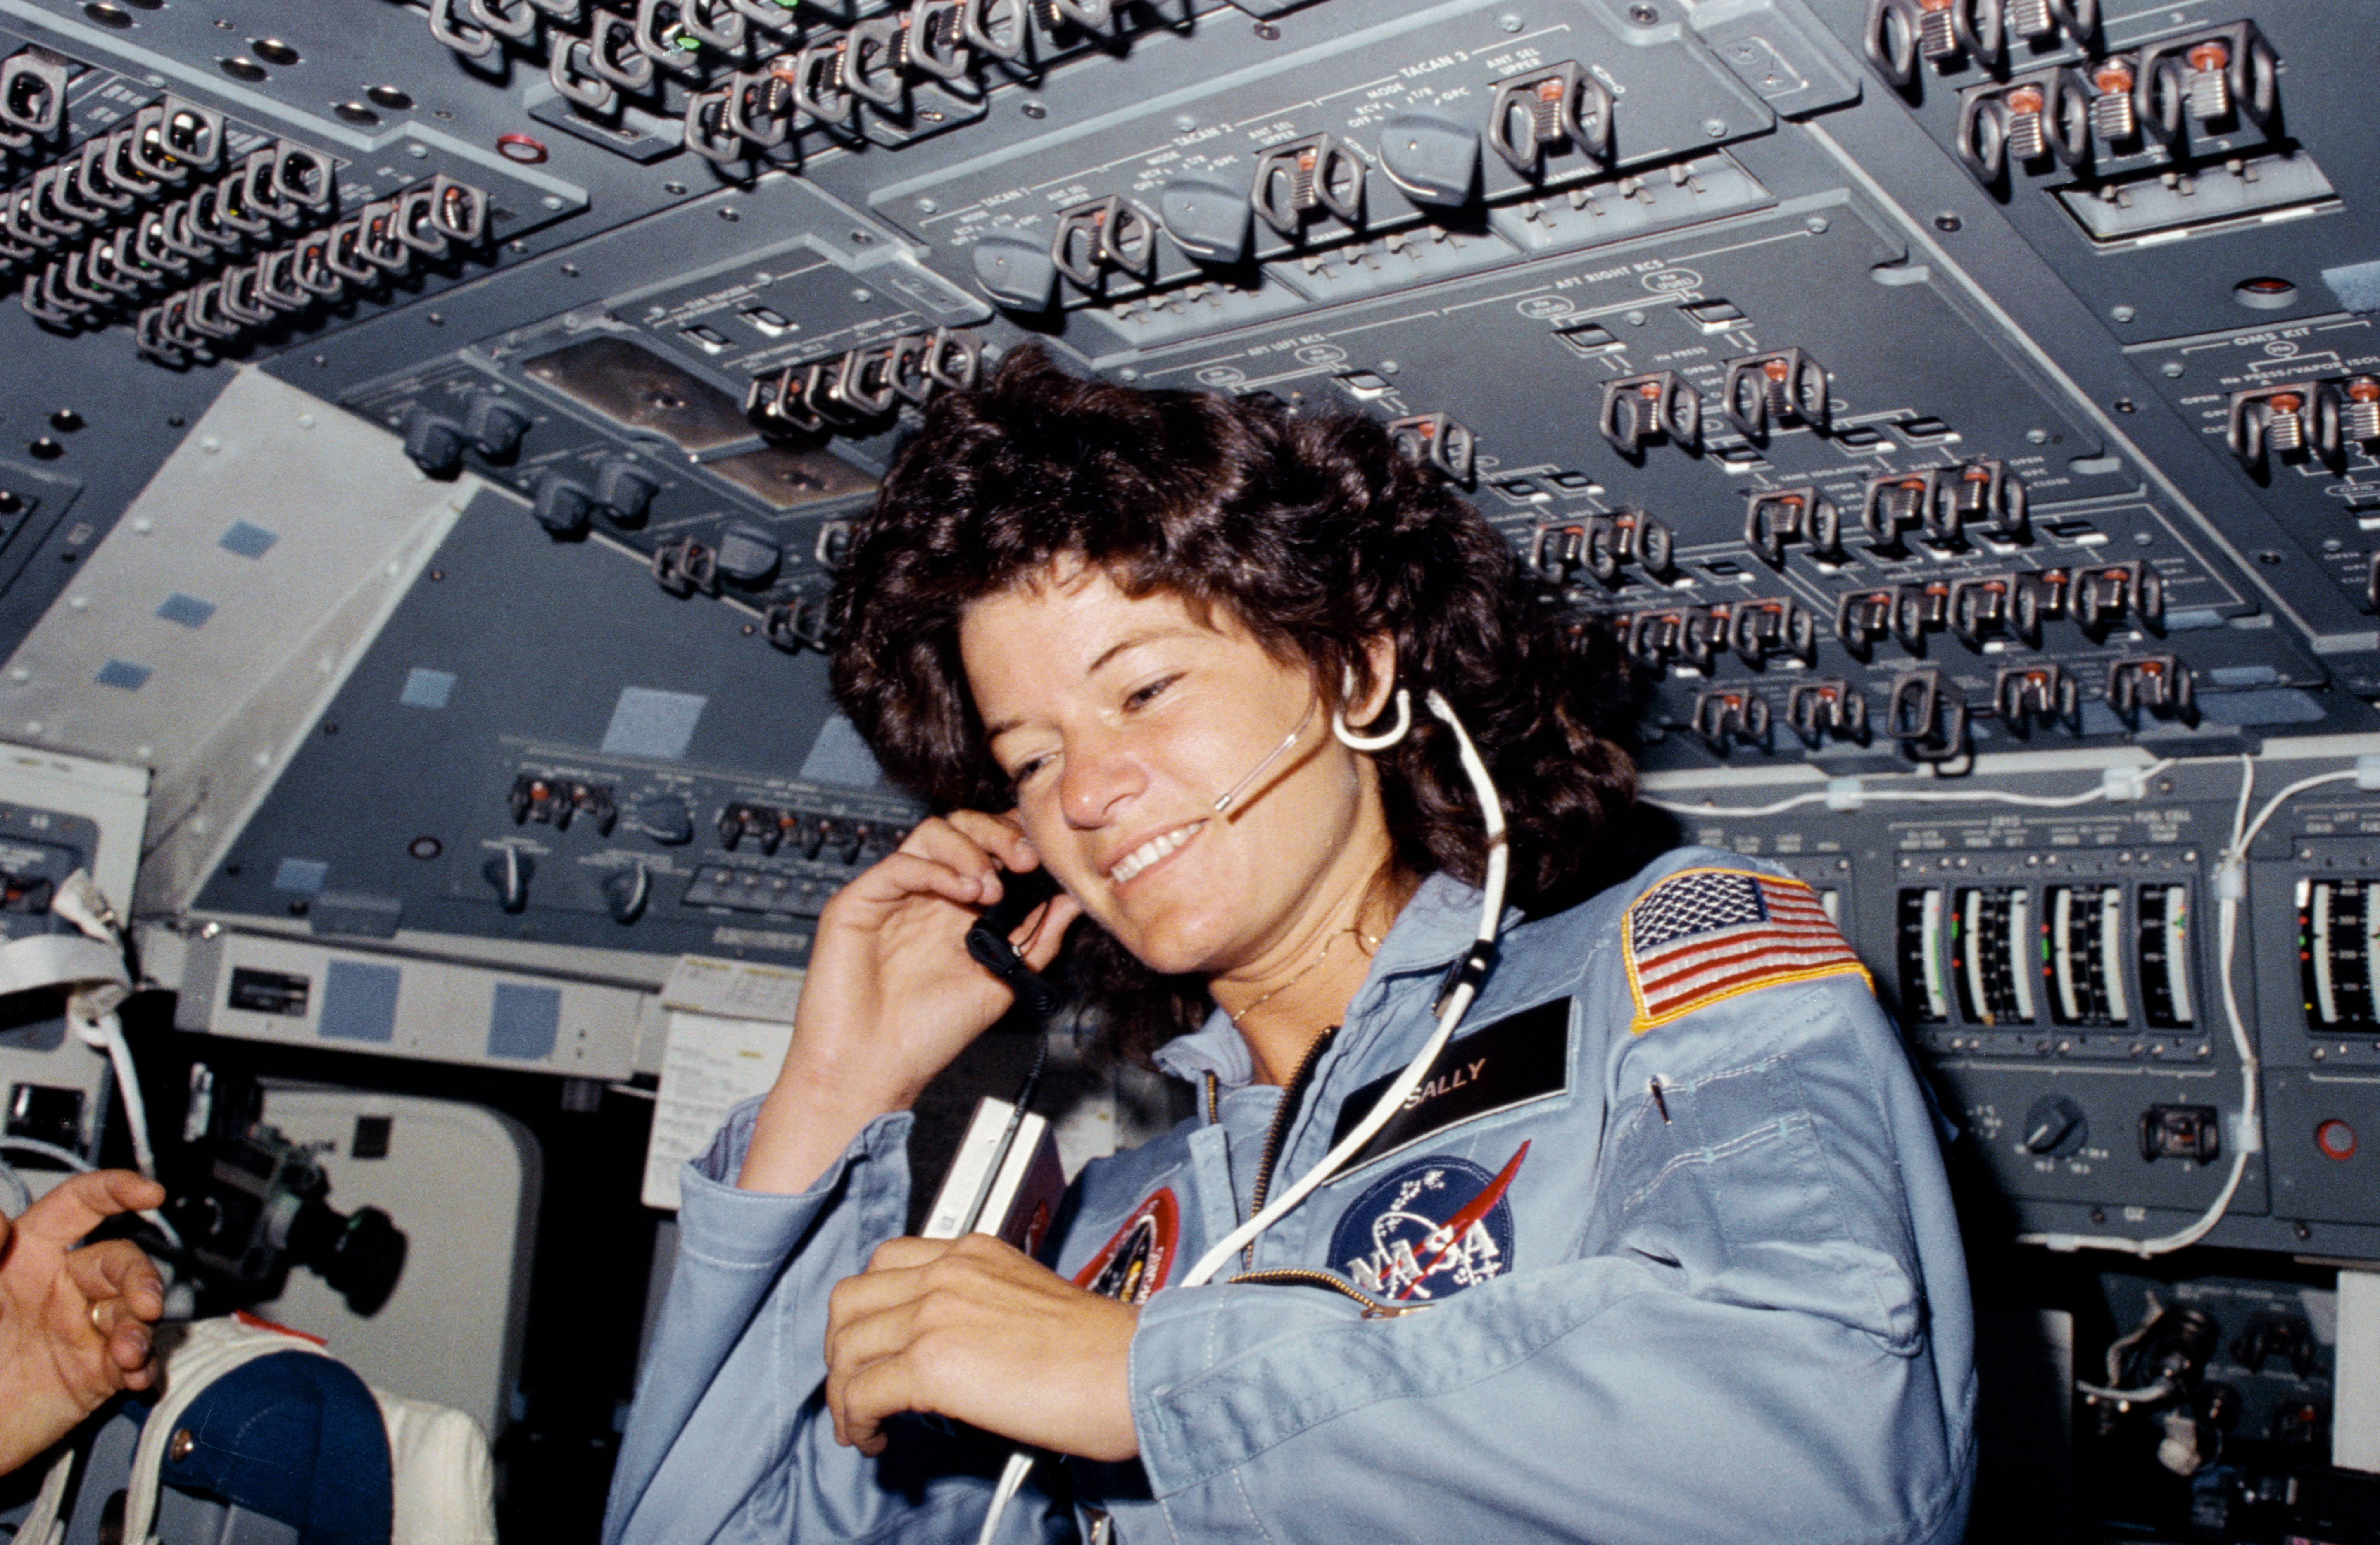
187 610
427 688
359 1002
647 722
839 756
248 541
2357 285
124 674
524 1021
302 877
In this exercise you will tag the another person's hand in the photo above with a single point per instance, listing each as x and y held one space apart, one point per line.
977 1330
891 994
74 1323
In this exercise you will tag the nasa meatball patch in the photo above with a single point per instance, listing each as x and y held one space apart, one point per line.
1135 1262
1427 1230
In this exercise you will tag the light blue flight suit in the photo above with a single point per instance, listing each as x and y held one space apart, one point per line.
1718 1296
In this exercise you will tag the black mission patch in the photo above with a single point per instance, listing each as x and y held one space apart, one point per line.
1519 1058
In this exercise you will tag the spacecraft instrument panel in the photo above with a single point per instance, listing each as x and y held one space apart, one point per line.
430 429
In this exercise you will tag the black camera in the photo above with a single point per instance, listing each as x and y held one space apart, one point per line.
248 1202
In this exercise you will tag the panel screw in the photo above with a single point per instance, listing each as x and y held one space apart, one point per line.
2170 369
2122 313
1033 110
1715 128
1643 16
181 1445
1510 22
1268 31
1947 223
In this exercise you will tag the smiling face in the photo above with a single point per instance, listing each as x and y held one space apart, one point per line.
1121 719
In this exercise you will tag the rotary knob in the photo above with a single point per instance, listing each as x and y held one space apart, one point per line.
2055 1126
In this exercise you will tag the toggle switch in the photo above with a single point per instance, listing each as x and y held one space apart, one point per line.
561 505
626 890
433 443
495 426
509 872
624 492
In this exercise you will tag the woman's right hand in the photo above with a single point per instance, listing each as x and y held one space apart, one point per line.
892 995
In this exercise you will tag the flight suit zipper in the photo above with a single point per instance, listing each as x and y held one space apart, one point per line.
1291 1097
1374 1309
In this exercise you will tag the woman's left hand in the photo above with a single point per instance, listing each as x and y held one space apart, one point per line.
977 1330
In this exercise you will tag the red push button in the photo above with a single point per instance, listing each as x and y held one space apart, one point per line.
2336 1138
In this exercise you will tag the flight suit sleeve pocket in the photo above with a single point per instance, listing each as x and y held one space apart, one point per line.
1769 1182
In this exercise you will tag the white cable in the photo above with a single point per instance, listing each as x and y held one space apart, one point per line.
1458 999
1779 808
1917 797
2247 787
1491 908
105 1032
51 1151
1012 1479
72 1160
2248 1139
2162 1390
2240 840
91 1011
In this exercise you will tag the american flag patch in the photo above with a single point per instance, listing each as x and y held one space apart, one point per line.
1706 934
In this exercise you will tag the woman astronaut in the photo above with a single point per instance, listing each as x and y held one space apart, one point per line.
1657 1247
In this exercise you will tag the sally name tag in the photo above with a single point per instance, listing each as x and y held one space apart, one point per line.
1523 1057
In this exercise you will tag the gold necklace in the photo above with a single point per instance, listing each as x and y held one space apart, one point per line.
1370 942
1302 972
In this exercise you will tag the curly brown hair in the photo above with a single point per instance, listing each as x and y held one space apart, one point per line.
1312 531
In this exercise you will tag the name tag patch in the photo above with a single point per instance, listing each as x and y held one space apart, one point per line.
1429 1229
1522 1057
1135 1262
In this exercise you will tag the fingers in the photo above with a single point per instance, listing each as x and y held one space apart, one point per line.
120 1293
870 1319
896 1255
998 836
958 858
973 1330
876 1322
77 1205
1045 932
118 1272
902 875
869 1394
